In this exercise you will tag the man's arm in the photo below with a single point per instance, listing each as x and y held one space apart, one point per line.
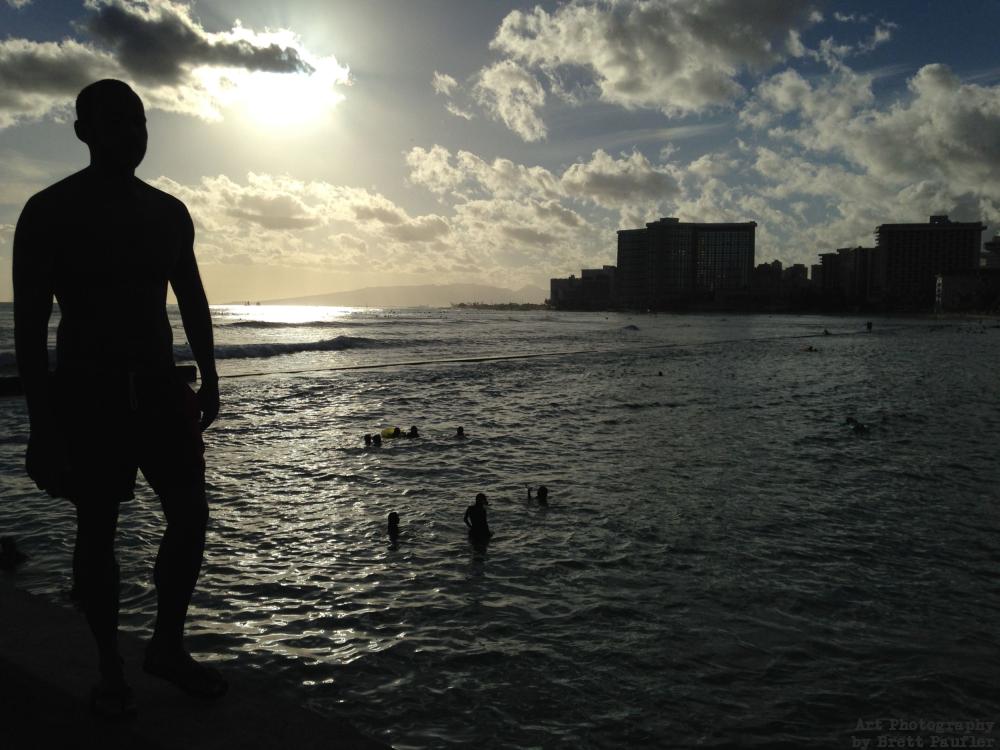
33 288
186 282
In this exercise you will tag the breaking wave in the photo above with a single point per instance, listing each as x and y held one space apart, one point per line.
277 349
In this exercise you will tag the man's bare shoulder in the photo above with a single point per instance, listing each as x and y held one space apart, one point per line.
56 195
161 200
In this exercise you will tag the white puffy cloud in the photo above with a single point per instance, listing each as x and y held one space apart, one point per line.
944 132
464 174
443 83
172 61
616 183
18 3
678 57
459 112
37 78
514 96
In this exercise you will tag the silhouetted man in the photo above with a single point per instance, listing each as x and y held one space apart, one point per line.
106 245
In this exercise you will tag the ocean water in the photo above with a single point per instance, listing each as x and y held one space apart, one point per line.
724 562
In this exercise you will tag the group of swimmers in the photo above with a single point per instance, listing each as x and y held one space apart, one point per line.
475 518
375 440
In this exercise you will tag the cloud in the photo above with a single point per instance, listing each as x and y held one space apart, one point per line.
37 78
615 183
158 42
465 174
421 229
273 211
459 112
514 96
172 61
945 131
679 57
443 83
18 4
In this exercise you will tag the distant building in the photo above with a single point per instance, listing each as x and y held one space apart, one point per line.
766 278
795 276
671 262
991 254
594 290
908 258
974 290
816 275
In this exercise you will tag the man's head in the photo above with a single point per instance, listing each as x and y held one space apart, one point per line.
111 120
481 499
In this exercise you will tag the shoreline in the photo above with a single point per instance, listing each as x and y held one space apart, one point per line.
48 665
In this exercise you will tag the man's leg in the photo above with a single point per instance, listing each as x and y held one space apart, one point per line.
178 564
95 571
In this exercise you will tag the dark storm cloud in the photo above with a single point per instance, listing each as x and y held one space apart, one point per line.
158 41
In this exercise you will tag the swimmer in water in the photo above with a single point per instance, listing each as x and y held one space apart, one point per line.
397 432
413 432
857 426
460 433
542 495
376 440
368 441
475 519
393 529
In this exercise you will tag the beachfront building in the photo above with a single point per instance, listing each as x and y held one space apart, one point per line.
991 252
845 277
593 290
909 257
671 262
973 290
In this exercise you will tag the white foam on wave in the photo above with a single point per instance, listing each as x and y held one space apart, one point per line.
277 349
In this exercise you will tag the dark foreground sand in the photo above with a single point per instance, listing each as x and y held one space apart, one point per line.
47 670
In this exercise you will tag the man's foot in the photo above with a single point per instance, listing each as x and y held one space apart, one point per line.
194 678
113 700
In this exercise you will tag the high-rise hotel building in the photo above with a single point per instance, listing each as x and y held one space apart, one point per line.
672 262
908 258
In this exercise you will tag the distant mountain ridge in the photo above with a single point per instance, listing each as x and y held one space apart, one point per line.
426 295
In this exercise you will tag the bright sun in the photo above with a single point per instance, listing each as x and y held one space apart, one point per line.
276 100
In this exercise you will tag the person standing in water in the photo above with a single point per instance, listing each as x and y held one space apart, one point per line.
475 519
542 496
106 245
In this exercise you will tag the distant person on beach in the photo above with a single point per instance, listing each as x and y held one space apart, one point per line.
460 432
542 495
868 325
393 529
106 245
413 433
475 519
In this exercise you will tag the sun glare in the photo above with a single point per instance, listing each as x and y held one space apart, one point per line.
276 100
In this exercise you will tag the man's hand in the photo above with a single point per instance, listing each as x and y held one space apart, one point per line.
46 462
208 401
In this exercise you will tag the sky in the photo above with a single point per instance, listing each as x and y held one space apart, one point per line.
324 145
